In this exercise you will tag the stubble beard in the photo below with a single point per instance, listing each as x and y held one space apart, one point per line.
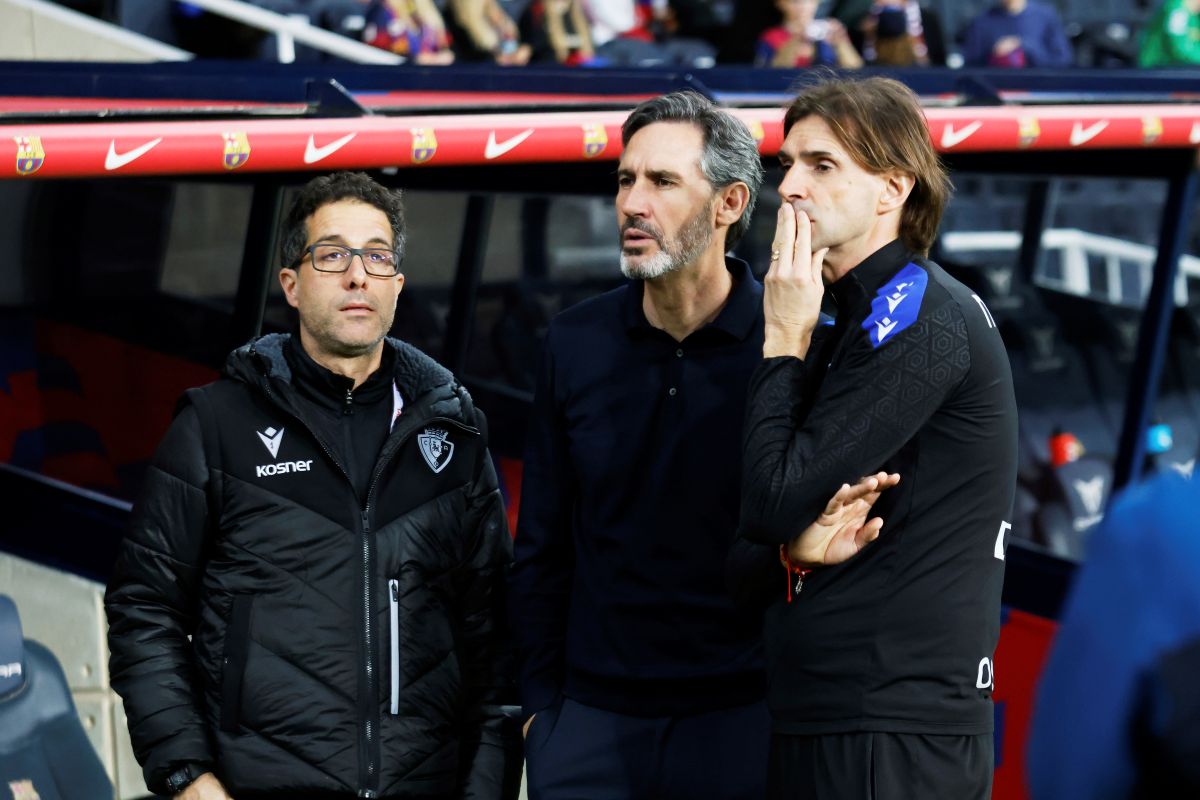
323 332
673 254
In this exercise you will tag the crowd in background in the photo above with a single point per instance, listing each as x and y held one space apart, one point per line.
769 33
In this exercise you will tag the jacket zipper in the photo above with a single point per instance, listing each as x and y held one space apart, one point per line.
368 642
394 616
395 441
368 730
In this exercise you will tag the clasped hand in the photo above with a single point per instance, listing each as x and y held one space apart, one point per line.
843 528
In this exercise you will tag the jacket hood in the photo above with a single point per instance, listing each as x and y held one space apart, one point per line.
415 374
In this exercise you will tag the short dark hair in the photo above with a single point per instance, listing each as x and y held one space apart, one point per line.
880 122
730 153
322 191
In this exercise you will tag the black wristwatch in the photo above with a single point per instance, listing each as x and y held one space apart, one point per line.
183 777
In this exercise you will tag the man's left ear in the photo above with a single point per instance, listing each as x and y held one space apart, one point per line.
732 202
897 186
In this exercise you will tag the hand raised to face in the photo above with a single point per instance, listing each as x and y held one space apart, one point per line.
793 287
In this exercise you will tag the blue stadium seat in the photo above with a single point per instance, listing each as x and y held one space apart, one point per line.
44 752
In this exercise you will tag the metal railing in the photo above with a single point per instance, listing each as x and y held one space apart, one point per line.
1076 251
292 29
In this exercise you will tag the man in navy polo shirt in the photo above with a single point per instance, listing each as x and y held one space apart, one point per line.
639 675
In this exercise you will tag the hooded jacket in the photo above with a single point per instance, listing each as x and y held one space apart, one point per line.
338 647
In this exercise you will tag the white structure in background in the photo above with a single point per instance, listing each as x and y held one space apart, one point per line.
39 30
1125 264
292 29
35 30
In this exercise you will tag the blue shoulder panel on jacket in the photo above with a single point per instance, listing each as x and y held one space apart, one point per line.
896 304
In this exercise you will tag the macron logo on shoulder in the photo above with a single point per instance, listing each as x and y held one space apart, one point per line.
896 305
271 439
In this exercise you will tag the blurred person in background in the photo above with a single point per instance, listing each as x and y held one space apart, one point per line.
803 40
410 28
709 20
1118 707
899 33
483 31
1017 33
558 30
738 44
908 34
1172 36
643 33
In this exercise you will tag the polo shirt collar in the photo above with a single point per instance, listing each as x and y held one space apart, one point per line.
737 318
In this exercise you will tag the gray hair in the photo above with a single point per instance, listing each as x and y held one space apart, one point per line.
730 153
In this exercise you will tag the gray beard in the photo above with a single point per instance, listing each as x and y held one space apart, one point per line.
673 255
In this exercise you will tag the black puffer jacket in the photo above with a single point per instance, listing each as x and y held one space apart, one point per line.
338 649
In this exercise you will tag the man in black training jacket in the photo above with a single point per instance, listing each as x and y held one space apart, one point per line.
323 523
881 671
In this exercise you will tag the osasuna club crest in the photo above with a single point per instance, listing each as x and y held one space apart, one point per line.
436 448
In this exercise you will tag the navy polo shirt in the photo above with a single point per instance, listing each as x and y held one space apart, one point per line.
629 510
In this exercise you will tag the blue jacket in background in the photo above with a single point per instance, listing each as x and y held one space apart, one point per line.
1038 26
1117 705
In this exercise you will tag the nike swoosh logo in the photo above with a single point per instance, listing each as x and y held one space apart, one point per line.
884 330
1194 136
115 160
951 137
1080 134
496 149
895 301
313 154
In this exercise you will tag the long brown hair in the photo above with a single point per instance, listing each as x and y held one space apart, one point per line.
880 123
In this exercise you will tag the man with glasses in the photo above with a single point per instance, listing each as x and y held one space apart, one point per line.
305 605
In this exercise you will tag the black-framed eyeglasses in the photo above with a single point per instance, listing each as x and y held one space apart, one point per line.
377 261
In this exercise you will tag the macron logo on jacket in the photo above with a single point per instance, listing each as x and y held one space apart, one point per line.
271 440
896 305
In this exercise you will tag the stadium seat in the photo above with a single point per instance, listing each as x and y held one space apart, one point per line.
44 752
1183 354
1081 490
1052 387
1107 337
999 285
